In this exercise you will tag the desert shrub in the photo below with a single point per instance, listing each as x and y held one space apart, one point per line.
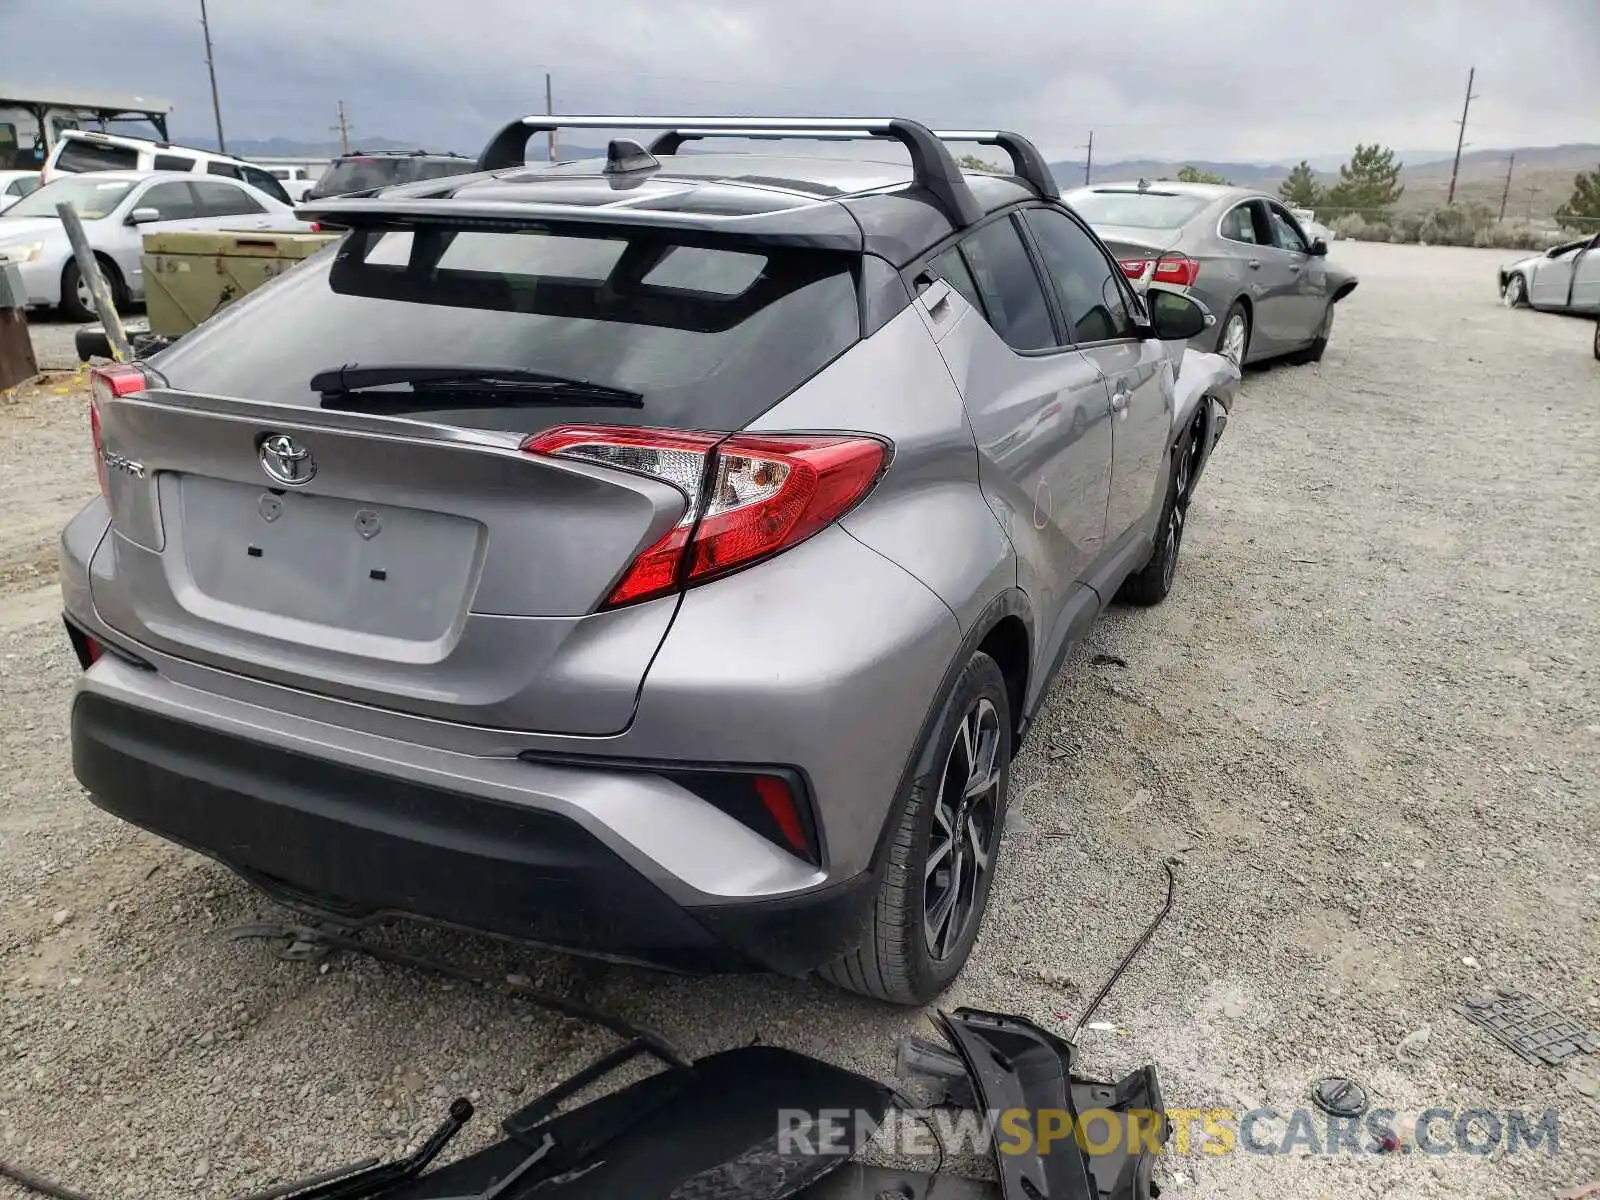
1351 225
1517 235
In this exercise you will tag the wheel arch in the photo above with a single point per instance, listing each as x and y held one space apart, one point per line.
1006 624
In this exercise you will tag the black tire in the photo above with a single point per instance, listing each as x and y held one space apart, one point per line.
1597 341
1153 583
1314 352
1236 312
898 960
1516 293
73 308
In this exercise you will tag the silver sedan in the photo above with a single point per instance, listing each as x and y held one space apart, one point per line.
1241 253
1565 279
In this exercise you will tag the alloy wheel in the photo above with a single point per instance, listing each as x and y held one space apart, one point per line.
1233 339
1180 509
86 295
965 831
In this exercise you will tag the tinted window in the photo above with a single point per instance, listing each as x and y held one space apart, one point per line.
358 175
25 186
95 156
174 201
952 268
222 168
1284 234
709 339
1085 278
220 200
262 180
1012 293
1239 226
1140 210
439 168
173 162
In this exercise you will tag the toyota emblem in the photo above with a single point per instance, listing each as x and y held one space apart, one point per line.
286 461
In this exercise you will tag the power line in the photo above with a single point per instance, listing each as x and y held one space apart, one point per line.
1461 137
211 69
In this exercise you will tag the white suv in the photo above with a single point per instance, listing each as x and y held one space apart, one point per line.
81 150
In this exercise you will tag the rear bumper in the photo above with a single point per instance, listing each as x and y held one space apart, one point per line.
361 843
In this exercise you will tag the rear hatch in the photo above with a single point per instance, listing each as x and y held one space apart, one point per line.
294 499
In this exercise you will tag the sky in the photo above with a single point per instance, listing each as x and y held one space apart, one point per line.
1222 80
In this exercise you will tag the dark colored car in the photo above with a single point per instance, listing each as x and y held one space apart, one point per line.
363 173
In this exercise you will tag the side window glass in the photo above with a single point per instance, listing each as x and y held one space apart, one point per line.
173 162
224 200
171 200
952 268
1238 227
1284 234
1084 278
268 183
222 168
1013 296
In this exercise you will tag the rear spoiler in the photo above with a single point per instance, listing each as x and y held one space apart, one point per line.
932 166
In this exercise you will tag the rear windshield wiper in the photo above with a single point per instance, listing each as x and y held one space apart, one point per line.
517 384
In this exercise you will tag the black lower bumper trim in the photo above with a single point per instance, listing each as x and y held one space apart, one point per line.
362 846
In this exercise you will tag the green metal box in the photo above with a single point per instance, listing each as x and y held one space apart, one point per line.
192 274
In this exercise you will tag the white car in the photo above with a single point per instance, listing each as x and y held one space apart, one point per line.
81 151
118 208
1564 279
14 185
296 181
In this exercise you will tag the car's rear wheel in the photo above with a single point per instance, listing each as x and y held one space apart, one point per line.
1516 293
1597 339
942 851
1233 343
1153 583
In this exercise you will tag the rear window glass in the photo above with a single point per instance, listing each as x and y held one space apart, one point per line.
95 156
1139 210
710 337
362 174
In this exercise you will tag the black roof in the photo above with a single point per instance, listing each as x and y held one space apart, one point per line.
854 204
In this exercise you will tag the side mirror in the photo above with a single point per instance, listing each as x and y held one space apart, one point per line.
1319 248
144 216
1175 317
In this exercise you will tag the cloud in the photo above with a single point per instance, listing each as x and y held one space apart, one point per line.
1228 79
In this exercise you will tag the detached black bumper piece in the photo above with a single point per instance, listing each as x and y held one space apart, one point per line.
356 846
1016 1065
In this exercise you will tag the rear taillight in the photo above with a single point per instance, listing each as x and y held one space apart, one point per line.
750 495
107 383
1176 269
1133 268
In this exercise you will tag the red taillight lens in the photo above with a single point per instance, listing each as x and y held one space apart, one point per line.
1177 269
1133 268
106 383
750 495
780 804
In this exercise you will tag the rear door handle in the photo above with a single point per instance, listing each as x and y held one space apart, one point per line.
1254 264
1119 399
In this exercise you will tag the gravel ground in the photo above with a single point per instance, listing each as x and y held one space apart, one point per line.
52 341
1365 725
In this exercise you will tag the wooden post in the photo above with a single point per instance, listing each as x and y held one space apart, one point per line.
89 268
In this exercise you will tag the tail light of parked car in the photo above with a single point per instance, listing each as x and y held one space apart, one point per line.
750 495
105 384
1176 270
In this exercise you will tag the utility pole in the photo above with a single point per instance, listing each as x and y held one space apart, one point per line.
1506 195
550 111
1461 138
211 69
1088 158
343 128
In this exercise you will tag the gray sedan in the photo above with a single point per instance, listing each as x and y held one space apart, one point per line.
1241 253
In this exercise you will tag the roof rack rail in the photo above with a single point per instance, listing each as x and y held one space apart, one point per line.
1026 161
931 164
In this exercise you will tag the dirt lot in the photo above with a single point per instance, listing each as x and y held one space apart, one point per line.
1366 725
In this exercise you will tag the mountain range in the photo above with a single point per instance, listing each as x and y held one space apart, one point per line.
1541 177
